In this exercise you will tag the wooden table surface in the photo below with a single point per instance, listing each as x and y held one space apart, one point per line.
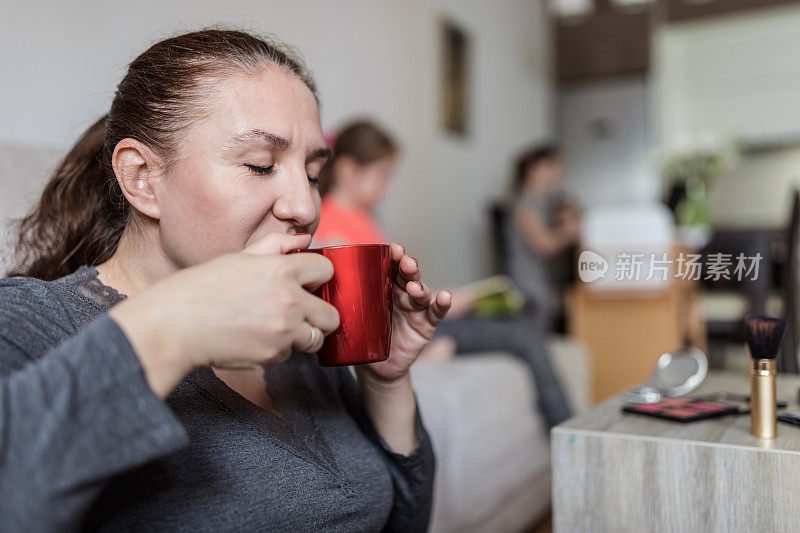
733 430
618 472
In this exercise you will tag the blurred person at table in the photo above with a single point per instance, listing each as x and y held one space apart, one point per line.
353 182
543 225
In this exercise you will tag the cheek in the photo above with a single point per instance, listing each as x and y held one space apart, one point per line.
367 190
384 185
318 205
203 217
378 187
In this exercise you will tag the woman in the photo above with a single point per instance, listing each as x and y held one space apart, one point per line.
160 247
543 226
353 183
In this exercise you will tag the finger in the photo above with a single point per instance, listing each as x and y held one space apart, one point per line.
419 297
403 296
279 243
319 313
408 266
309 269
408 270
440 306
309 339
397 250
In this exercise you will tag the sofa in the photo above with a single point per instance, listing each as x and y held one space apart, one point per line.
492 449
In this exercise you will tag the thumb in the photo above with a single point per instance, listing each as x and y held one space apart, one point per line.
278 243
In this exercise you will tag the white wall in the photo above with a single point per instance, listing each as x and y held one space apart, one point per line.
736 76
615 165
511 107
758 191
22 169
62 61
731 75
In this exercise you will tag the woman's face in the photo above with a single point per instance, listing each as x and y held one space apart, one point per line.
372 180
545 176
249 168
364 184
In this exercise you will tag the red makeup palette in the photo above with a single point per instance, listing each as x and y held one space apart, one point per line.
682 409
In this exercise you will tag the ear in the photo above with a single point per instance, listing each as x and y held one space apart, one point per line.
137 168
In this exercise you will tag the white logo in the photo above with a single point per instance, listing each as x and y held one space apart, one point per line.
591 266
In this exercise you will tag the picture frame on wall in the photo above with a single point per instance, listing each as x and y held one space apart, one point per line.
455 77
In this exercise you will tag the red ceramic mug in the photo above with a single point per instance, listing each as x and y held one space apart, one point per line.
361 290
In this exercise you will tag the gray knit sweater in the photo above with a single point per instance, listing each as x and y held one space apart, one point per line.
85 444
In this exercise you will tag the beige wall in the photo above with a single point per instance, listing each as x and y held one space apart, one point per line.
62 60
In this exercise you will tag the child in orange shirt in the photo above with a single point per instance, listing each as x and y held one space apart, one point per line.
353 183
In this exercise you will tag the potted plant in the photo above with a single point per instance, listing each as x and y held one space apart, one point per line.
695 170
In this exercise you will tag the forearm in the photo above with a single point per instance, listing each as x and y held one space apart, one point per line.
163 364
564 239
72 420
392 407
539 237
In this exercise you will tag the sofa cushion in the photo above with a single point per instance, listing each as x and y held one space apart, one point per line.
489 442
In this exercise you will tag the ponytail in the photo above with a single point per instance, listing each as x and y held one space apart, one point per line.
80 216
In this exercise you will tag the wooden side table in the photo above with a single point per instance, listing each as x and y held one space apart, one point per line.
615 472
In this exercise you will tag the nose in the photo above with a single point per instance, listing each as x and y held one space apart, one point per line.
296 201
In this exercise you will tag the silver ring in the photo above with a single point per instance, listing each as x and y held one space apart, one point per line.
315 334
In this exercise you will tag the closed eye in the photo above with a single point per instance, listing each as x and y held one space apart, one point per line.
266 171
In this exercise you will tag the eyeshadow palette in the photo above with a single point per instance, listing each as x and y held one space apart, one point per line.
682 409
740 401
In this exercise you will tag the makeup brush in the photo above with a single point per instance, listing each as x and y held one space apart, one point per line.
763 335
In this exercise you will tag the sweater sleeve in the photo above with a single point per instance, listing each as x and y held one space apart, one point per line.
71 418
412 475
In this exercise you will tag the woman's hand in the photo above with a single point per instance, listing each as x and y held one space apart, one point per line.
385 386
416 315
252 307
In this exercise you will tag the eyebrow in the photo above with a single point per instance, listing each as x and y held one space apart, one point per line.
270 138
277 141
320 153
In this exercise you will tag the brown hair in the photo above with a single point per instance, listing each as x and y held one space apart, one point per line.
530 158
362 140
82 212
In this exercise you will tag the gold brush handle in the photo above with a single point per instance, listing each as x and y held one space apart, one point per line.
763 412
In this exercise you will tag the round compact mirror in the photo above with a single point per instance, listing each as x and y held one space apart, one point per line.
676 373
643 394
679 372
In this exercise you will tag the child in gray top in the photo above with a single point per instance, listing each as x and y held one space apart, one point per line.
541 225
